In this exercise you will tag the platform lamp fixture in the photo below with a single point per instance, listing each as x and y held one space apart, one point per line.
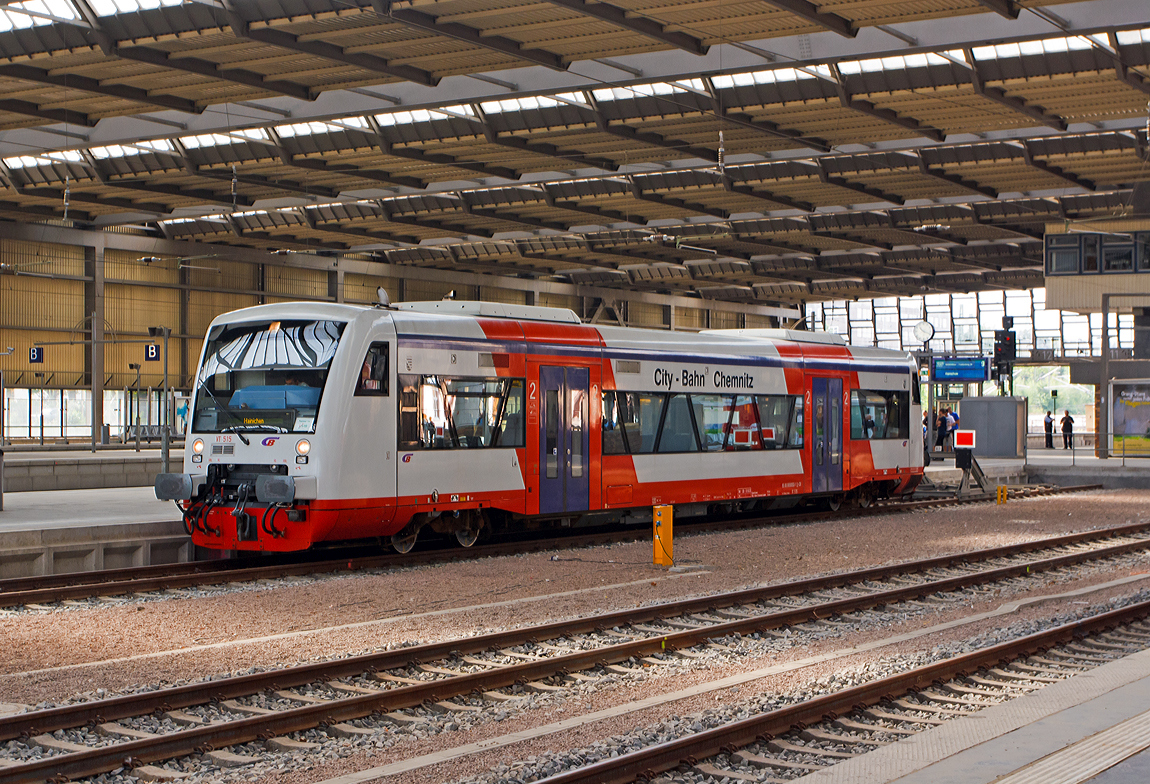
165 419
136 367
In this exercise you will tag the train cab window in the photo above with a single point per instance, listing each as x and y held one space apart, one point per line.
613 440
879 414
679 432
373 379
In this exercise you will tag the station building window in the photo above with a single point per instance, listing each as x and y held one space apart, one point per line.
1088 254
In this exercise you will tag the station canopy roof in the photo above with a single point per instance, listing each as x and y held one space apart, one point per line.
768 151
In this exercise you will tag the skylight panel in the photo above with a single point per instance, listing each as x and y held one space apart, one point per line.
124 150
532 102
461 110
43 159
34 13
1030 48
310 128
110 7
221 139
1127 37
770 76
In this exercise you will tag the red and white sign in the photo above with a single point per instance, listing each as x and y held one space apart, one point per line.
964 439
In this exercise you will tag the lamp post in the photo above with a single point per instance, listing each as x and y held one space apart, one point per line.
136 367
40 381
165 420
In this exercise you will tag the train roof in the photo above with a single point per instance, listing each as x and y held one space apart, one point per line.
562 325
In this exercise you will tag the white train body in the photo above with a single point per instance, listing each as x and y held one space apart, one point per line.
325 422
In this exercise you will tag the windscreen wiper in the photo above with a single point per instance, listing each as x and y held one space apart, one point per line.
236 429
220 406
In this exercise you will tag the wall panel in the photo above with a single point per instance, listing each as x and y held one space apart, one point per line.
40 303
43 258
645 314
63 366
130 309
361 288
296 283
203 306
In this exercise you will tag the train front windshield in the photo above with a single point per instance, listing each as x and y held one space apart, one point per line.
265 377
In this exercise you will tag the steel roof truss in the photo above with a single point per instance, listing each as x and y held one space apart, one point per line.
841 182
647 137
1005 8
767 196
671 201
954 179
1071 177
539 148
398 151
27 73
281 39
849 101
29 109
998 95
630 20
811 12
461 32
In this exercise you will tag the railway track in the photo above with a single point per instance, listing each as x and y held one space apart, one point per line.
824 731
85 585
393 687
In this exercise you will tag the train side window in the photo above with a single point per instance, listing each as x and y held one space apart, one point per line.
879 414
781 420
713 417
613 443
678 433
409 411
551 426
795 434
745 431
647 410
373 372
511 431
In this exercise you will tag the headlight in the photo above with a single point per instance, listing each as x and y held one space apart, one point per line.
198 446
303 446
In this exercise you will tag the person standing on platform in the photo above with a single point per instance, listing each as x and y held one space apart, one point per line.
1048 423
940 430
1067 431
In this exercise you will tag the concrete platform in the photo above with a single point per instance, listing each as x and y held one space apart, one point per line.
73 470
65 531
1052 466
1092 727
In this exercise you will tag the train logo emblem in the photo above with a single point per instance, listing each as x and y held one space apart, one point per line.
270 440
407 457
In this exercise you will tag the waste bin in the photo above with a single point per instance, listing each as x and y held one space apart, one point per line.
105 434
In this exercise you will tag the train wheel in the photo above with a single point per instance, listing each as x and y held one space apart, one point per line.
834 502
404 542
466 537
864 499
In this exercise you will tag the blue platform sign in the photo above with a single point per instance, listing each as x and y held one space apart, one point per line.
36 355
960 368
151 353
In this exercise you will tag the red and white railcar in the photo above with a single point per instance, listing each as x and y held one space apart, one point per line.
322 422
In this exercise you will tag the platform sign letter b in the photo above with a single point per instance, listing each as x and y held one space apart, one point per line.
36 355
152 353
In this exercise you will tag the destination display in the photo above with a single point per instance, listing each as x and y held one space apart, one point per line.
959 368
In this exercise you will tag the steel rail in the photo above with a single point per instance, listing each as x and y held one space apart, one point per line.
649 762
192 694
99 760
53 588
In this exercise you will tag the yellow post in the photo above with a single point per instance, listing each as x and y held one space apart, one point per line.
1001 494
664 545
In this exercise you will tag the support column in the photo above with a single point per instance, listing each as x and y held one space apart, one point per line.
94 311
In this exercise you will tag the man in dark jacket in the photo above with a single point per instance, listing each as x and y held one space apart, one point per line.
1048 423
1067 431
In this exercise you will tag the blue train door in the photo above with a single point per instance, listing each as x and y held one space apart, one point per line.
564 484
827 421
